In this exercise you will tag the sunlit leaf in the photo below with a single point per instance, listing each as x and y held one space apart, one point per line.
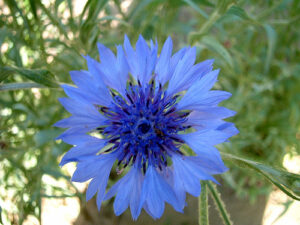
287 182
196 7
18 86
238 11
214 45
40 76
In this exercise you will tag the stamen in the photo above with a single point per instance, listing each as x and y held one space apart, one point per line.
143 126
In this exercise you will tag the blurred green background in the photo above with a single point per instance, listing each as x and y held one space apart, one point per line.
255 43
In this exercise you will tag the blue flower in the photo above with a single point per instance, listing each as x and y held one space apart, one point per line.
155 119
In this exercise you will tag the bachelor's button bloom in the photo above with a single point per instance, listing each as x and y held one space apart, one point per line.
154 118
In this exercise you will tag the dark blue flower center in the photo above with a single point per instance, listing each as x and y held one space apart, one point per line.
143 126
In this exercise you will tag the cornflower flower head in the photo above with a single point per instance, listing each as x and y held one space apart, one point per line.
155 119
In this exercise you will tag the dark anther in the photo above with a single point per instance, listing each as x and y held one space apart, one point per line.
184 114
159 132
170 111
180 153
126 111
134 158
116 123
113 140
112 93
100 128
109 150
144 168
130 99
155 112
176 139
139 83
152 82
159 166
126 132
104 109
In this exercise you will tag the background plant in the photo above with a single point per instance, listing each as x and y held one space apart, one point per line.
255 43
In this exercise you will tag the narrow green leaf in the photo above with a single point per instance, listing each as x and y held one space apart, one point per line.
18 86
104 18
44 136
4 74
238 11
271 34
219 203
33 7
55 20
287 182
197 8
40 76
70 4
214 45
203 205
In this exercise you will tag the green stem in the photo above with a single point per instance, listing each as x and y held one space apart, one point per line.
203 205
17 86
219 203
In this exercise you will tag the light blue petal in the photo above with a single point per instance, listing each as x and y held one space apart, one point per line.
179 77
122 199
210 165
175 59
80 108
91 168
128 190
76 94
155 192
107 59
162 69
95 88
123 71
97 70
114 69
93 187
228 128
167 193
204 137
76 138
69 136
198 89
205 124
79 153
184 177
150 194
195 73
151 62
103 177
142 51
142 61
98 169
210 113
136 193
131 58
80 121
